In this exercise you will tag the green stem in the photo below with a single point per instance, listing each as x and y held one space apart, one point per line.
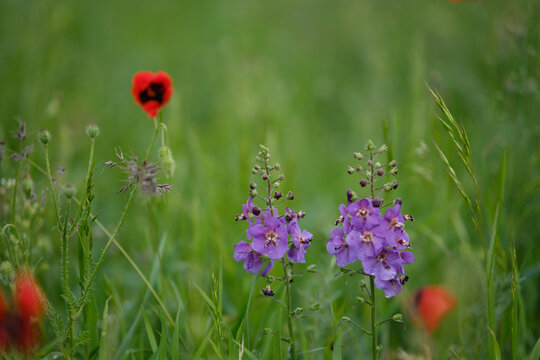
49 175
14 202
289 308
112 238
373 317
84 191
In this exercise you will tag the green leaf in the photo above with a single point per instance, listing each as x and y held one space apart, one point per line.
535 354
104 351
149 332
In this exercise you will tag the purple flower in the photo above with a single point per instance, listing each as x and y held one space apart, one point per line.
385 266
390 287
252 259
271 238
247 208
369 242
301 241
339 246
395 222
363 214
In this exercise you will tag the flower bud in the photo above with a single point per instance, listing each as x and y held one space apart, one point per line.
311 268
270 279
397 318
350 170
92 131
377 202
7 272
167 161
267 291
398 201
394 184
362 284
290 196
393 163
360 300
363 182
252 185
27 186
265 177
369 162
394 171
257 168
281 177
383 148
253 192
277 195
277 166
380 172
358 156
345 318
277 184
256 210
315 307
370 146
298 310
44 136
69 191
388 188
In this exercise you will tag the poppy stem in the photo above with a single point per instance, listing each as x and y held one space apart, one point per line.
156 127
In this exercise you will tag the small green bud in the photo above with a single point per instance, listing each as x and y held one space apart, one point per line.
370 146
397 318
44 136
27 185
378 164
393 163
315 307
92 131
311 268
7 271
363 284
69 191
281 177
345 318
277 166
358 156
394 171
383 148
298 310
388 188
360 300
270 279
167 161
276 184
257 167
253 192
350 170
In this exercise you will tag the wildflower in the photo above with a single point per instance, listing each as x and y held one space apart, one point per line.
151 91
252 259
4 313
271 238
338 246
301 241
433 303
29 298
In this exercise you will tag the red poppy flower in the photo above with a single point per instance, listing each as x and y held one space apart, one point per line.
29 298
432 304
4 334
152 91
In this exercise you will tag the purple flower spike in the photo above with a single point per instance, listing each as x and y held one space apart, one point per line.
339 247
301 241
368 241
395 223
271 238
247 208
252 260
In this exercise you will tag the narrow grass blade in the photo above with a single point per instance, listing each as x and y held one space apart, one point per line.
206 298
497 350
149 332
515 304
104 351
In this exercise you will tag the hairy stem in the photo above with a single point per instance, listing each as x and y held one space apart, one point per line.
289 308
53 193
14 199
373 317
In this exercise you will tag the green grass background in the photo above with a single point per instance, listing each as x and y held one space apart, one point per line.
313 80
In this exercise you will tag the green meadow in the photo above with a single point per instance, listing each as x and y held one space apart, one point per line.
313 81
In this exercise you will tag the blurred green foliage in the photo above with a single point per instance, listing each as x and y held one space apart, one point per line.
313 80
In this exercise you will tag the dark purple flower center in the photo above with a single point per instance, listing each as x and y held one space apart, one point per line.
402 242
271 238
367 237
395 224
362 213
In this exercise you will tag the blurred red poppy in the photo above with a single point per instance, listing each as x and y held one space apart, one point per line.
432 304
4 334
151 91
29 298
